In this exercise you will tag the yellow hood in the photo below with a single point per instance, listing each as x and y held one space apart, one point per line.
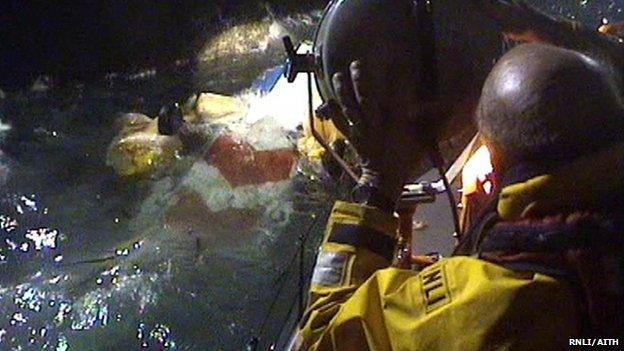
582 184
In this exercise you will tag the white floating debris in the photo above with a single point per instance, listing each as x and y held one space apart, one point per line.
18 319
63 311
42 237
7 223
30 298
114 271
11 244
137 245
62 344
31 204
120 252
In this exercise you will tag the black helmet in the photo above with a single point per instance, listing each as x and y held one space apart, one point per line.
384 34
415 49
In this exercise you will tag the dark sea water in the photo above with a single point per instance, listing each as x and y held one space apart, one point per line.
86 260
88 264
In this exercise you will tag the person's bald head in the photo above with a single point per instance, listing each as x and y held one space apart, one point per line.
545 104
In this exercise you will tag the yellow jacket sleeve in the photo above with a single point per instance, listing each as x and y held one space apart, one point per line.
342 267
462 303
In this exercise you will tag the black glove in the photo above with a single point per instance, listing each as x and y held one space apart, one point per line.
388 142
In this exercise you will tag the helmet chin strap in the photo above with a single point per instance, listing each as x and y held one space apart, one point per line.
341 162
305 63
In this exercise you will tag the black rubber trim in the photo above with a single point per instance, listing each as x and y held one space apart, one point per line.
361 236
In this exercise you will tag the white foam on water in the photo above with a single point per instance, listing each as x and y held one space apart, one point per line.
219 195
286 103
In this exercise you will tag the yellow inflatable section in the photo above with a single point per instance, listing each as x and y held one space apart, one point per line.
308 145
138 150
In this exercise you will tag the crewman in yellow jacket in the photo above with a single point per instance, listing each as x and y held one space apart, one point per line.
541 266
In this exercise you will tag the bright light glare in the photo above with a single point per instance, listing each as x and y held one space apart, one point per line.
476 170
286 103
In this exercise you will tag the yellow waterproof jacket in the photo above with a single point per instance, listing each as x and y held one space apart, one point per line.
461 303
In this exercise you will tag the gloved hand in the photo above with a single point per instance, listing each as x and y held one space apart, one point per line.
388 142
